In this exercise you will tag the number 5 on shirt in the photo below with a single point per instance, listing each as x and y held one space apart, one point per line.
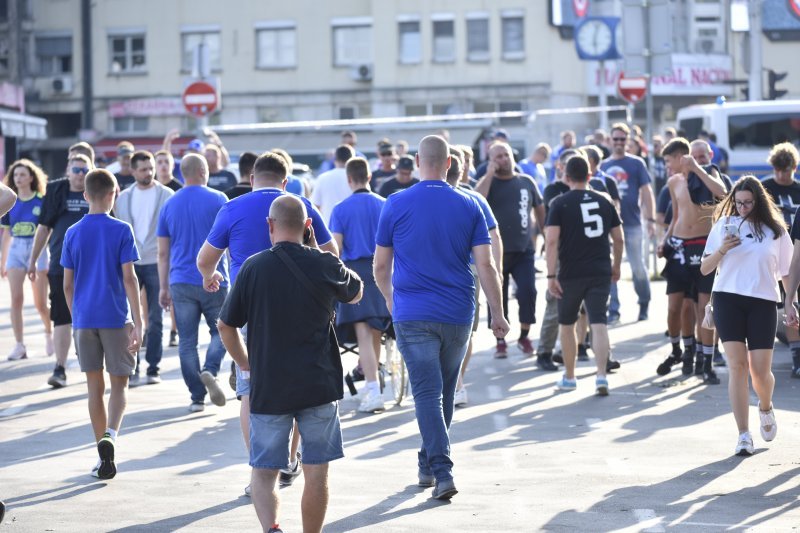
592 222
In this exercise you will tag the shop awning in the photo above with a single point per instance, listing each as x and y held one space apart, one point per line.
22 126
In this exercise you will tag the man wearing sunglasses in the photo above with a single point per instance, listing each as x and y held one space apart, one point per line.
63 206
636 196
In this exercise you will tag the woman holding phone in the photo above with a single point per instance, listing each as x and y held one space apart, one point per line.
750 248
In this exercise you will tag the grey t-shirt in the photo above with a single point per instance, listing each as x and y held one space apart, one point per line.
511 202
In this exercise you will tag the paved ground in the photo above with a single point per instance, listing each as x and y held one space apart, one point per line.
656 455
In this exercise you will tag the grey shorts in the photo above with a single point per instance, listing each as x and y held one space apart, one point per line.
19 254
320 434
106 344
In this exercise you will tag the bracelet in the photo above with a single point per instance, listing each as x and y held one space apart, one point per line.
551 276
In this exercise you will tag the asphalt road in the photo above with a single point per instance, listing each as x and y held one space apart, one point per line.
656 455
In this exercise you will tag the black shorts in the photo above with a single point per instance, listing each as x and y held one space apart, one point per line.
682 270
593 292
59 312
745 319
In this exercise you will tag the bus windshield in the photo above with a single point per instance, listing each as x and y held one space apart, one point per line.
763 130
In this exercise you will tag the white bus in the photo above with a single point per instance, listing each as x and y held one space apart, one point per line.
747 130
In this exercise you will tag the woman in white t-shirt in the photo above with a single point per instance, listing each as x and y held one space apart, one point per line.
751 250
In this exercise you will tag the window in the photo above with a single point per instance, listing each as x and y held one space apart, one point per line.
416 110
127 53
410 42
444 42
513 28
53 55
3 10
503 107
352 41
131 124
763 130
347 112
277 46
212 42
477 37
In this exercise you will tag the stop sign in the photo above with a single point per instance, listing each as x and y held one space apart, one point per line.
200 98
631 89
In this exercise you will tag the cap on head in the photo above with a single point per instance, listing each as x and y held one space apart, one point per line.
406 162
125 148
196 145
500 134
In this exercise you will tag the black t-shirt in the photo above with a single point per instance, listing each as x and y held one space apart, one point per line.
786 197
174 184
124 180
238 190
392 186
557 188
511 202
553 191
586 218
222 180
664 204
294 356
609 182
795 231
77 206
379 177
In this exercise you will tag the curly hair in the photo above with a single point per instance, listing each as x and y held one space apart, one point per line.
39 181
783 156
764 212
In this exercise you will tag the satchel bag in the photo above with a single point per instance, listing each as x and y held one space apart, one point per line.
708 318
303 279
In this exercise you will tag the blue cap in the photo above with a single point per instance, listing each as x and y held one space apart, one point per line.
196 145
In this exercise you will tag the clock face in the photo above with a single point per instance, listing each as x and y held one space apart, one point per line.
594 38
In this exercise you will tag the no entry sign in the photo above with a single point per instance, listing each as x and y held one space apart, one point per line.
200 98
631 90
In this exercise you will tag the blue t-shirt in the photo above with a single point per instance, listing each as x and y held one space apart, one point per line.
631 174
186 218
294 185
241 226
23 217
95 248
491 222
356 218
432 228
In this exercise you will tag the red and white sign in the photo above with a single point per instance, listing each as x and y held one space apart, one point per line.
200 98
795 5
631 90
581 7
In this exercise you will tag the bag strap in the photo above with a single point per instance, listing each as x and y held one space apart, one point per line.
300 275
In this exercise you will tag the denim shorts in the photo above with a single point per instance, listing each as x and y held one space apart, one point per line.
19 254
320 433
242 383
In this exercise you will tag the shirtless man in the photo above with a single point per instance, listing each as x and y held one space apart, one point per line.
692 191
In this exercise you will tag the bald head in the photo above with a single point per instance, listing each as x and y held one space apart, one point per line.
701 151
287 219
194 169
433 157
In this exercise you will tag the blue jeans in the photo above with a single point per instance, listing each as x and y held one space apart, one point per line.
192 302
148 280
433 353
641 283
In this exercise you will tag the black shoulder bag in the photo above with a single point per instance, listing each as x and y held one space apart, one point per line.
303 279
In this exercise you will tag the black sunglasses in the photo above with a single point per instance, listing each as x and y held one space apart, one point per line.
80 170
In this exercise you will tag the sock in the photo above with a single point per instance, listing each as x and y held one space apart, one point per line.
708 349
688 342
112 433
372 386
676 344
523 333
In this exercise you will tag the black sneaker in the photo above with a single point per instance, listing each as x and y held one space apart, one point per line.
288 476
688 363
2 511
173 338
612 364
59 378
583 354
710 377
444 490
698 364
544 362
105 448
666 367
796 365
557 358
642 313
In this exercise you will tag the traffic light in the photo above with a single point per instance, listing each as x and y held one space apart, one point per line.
773 78
745 93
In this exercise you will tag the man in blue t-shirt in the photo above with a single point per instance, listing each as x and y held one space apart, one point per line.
426 234
102 293
183 225
633 182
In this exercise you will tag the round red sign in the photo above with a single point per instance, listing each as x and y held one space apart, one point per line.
631 89
200 98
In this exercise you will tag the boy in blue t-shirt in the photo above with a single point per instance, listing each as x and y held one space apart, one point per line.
101 290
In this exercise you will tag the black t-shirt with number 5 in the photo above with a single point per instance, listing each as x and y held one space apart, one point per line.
586 218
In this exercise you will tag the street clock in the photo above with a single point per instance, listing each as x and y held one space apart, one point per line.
598 38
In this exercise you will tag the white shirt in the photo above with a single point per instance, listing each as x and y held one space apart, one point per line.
143 210
754 267
330 188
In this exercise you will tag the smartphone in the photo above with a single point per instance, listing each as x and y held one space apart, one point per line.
306 235
730 230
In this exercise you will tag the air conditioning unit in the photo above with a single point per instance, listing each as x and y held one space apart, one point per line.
361 72
708 46
62 85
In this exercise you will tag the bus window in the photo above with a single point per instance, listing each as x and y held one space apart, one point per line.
691 127
763 130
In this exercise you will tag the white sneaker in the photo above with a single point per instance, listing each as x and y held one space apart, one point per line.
372 403
18 353
197 407
745 444
460 397
769 428
215 392
248 491
49 345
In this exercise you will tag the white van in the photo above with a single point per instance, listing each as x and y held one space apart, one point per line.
747 130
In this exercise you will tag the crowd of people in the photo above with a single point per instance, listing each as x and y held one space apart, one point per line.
282 270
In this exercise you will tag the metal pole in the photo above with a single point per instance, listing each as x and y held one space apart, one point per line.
755 83
603 97
86 54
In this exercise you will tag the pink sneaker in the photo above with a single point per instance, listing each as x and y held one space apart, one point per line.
501 350
526 346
